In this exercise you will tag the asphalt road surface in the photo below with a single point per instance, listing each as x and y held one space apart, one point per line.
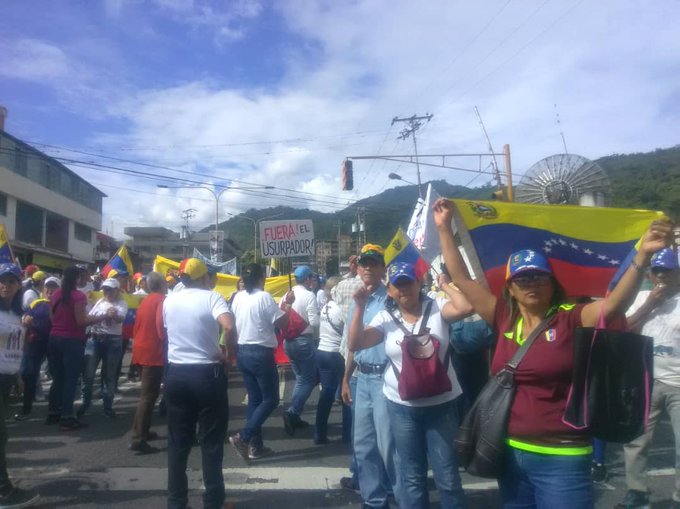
92 468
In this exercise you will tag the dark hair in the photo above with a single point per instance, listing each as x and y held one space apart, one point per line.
69 282
16 306
559 297
252 276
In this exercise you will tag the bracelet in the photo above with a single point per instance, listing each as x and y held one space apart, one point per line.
637 267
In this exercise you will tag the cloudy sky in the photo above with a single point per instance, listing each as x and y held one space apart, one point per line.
242 93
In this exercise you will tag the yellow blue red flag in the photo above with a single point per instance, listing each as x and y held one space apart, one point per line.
6 255
402 249
120 262
586 246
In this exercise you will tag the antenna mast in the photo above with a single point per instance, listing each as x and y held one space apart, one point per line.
494 163
559 125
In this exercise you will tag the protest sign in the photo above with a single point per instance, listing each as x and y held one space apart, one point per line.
286 239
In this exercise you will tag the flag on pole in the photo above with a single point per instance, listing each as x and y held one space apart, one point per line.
422 230
120 262
6 255
585 245
402 249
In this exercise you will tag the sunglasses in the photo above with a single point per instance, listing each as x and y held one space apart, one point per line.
537 278
660 270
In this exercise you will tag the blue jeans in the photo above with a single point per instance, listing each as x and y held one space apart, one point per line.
108 350
545 481
196 393
422 433
261 378
65 359
331 368
34 354
301 352
374 446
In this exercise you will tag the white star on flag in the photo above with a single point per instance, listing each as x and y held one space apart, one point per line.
602 257
574 245
588 251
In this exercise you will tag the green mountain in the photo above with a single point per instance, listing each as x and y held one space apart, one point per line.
646 180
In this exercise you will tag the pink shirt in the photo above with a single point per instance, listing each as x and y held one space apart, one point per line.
64 315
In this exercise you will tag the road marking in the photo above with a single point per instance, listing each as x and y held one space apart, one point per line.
235 479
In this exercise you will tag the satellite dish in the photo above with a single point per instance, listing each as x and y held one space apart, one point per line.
563 179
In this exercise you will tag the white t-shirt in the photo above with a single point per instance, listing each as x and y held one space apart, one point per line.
663 325
193 332
306 306
331 327
393 336
321 298
108 326
255 314
29 296
12 340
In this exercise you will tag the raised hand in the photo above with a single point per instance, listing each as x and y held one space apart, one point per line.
443 212
657 237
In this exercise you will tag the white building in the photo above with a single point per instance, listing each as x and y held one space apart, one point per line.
50 213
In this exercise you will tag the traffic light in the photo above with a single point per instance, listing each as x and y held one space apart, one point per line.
347 175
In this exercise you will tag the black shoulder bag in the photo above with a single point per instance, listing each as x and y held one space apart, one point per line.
480 443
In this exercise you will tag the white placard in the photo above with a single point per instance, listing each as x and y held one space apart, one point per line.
286 239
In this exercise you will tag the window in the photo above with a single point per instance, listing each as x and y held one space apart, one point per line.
20 161
3 204
82 232
56 232
29 225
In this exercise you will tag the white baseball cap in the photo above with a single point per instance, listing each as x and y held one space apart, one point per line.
111 283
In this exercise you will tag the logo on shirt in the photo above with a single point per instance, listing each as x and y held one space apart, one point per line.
550 335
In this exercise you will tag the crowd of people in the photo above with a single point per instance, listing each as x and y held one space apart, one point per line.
355 336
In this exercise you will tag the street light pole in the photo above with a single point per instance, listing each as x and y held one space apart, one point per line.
216 195
255 223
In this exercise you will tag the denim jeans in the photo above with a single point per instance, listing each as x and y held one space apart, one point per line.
331 367
422 433
545 481
374 446
34 354
665 398
261 378
108 350
65 359
301 352
353 467
196 393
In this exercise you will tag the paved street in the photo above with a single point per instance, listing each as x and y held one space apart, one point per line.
92 468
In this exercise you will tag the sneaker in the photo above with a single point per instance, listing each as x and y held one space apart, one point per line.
53 419
635 500
598 472
300 424
240 446
151 435
256 453
22 416
348 483
71 424
110 413
143 448
18 498
289 423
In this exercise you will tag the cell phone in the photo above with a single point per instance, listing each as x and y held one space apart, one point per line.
443 270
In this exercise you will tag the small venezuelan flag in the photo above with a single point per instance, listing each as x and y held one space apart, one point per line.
402 249
6 255
120 262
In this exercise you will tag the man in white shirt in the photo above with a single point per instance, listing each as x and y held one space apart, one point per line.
302 350
33 290
656 313
196 383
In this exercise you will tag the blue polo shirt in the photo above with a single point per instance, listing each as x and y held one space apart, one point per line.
375 304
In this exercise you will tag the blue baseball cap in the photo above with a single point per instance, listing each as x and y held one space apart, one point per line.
10 268
401 270
665 259
527 259
303 272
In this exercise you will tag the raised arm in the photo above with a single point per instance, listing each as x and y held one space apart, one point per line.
479 297
457 306
360 337
622 296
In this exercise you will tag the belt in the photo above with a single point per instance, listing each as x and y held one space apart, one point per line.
371 369
105 336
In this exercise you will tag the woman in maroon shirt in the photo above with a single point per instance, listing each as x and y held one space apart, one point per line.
547 464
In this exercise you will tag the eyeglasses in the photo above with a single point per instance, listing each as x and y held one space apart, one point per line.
539 278
657 271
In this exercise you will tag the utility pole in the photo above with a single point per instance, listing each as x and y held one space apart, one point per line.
494 163
186 215
412 125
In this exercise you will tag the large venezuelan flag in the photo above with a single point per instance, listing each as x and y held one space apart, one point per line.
585 245
6 255
120 262
402 249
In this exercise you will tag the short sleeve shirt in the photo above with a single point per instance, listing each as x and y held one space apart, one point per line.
108 326
255 314
64 315
393 336
543 377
